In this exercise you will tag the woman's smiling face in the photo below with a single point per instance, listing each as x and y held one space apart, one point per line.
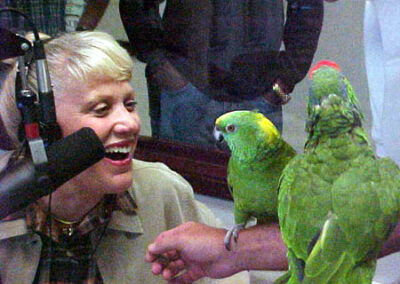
109 108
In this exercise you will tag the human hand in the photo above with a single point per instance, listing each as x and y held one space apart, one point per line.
277 95
189 252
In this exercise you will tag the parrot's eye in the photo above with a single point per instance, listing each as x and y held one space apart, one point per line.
230 128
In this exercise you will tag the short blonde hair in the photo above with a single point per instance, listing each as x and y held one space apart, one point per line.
74 59
84 58
9 114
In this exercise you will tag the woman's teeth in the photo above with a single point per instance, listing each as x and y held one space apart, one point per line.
118 153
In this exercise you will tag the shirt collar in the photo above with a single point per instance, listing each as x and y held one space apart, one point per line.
125 218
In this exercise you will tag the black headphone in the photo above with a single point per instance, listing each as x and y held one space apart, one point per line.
37 109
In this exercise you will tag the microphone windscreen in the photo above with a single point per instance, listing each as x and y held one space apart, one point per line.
19 182
73 154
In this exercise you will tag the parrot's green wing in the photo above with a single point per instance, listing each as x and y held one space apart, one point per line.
346 249
303 202
341 248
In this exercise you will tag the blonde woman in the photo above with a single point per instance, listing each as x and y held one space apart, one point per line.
103 219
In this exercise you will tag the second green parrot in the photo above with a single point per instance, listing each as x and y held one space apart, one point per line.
258 156
338 202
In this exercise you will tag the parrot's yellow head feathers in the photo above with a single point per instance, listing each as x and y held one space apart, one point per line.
244 130
268 127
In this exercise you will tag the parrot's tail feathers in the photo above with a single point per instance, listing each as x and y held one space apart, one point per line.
363 273
313 242
300 272
327 256
330 260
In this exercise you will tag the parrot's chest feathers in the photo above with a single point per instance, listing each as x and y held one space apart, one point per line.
254 185
258 205
253 171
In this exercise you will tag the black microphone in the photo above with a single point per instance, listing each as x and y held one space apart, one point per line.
20 185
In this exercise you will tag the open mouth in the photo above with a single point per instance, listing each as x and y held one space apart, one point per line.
118 153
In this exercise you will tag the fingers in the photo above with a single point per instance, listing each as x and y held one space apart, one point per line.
170 270
160 262
175 239
183 278
165 261
156 268
173 270
167 256
168 265
163 243
149 257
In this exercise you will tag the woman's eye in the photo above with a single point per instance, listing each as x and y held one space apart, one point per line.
131 105
101 109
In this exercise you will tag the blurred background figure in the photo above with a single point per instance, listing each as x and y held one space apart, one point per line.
205 58
54 16
382 58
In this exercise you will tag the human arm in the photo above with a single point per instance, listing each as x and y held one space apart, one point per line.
392 244
304 19
94 11
257 72
300 37
142 23
199 250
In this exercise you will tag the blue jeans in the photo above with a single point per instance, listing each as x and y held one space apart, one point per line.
188 115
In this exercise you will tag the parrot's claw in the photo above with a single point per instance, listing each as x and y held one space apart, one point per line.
232 233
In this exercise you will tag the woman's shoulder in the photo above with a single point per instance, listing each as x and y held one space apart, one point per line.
144 165
153 173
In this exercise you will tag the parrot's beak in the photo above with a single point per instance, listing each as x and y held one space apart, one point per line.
218 135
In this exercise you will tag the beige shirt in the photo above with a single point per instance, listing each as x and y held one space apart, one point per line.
164 201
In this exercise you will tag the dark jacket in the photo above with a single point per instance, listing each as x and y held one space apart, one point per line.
231 50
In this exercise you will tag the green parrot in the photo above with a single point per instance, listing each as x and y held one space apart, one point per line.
258 156
337 202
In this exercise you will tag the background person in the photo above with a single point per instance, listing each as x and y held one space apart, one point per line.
206 58
382 54
53 16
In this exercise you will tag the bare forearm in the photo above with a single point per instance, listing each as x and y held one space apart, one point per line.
199 250
261 248
392 245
